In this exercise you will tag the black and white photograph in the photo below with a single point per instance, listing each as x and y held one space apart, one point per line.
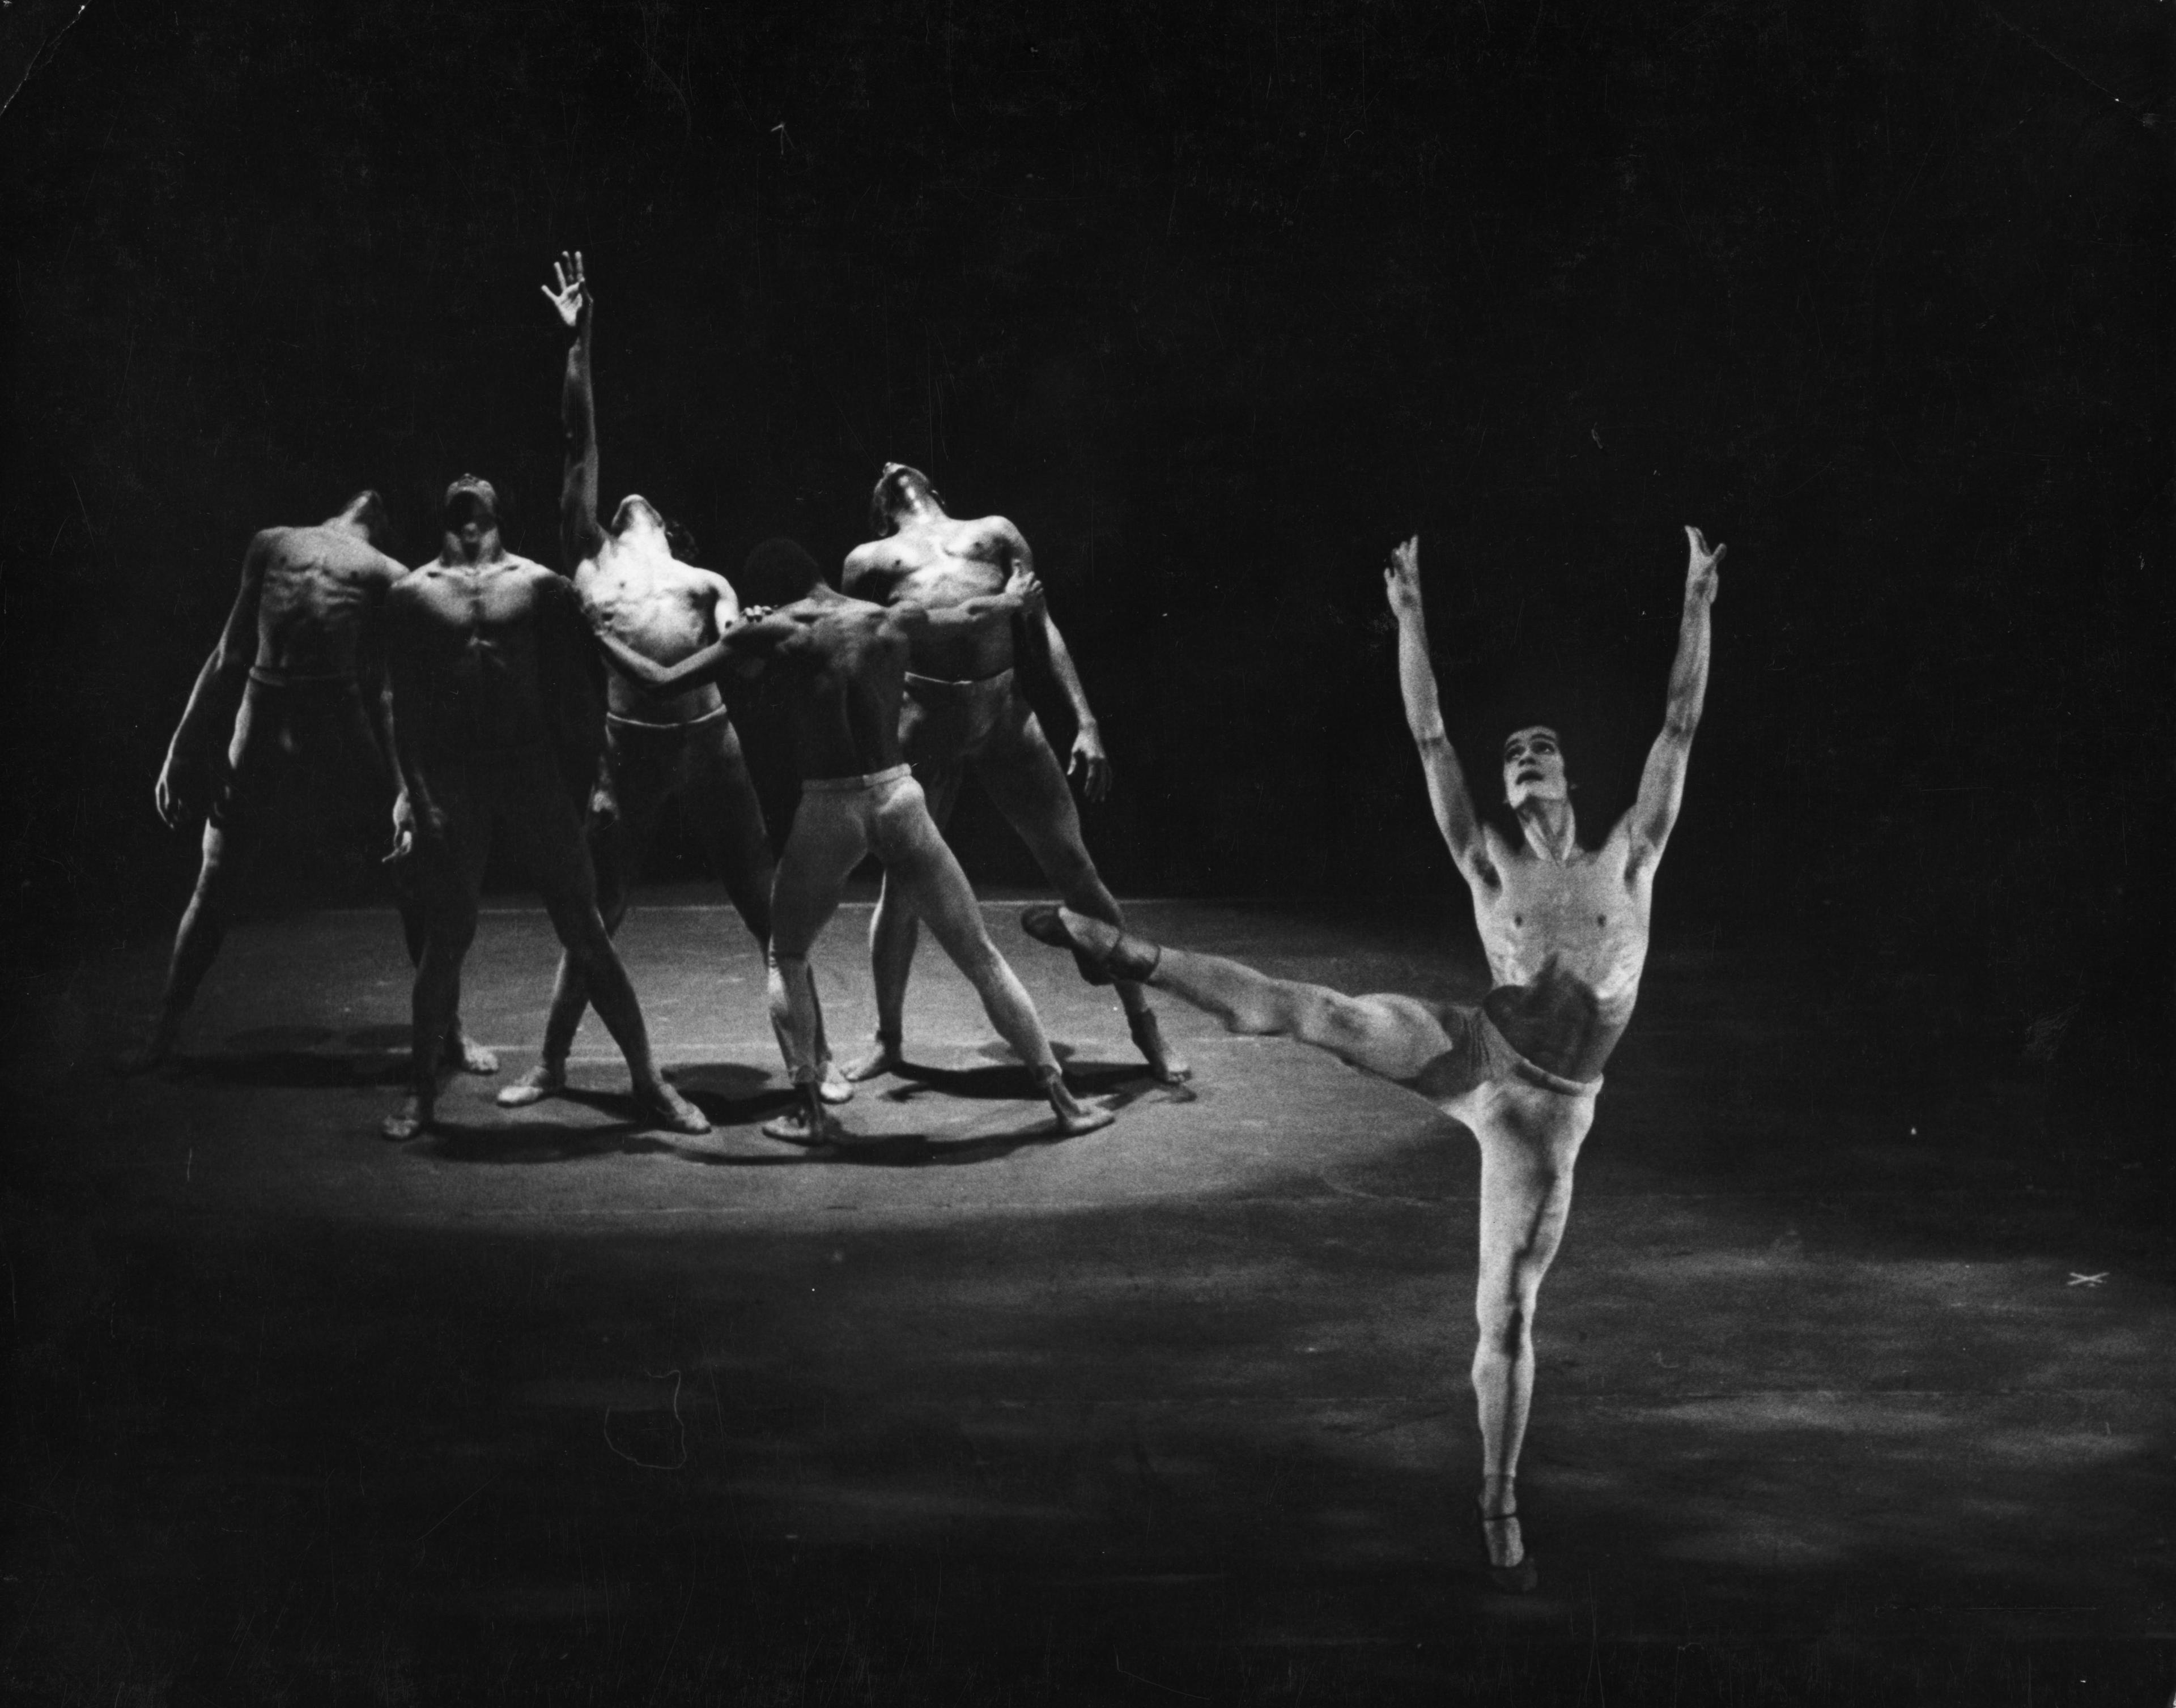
1019 852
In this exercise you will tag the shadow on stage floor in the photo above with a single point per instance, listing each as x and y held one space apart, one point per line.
1854 1381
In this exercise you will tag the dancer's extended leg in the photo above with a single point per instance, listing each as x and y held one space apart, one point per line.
1025 781
1392 1035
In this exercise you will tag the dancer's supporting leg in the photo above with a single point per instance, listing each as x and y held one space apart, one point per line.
275 729
828 841
453 851
1529 1137
930 874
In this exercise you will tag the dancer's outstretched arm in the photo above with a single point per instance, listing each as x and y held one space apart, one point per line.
1662 784
1455 815
581 534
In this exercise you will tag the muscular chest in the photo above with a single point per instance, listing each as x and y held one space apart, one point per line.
662 616
1586 914
470 616
948 580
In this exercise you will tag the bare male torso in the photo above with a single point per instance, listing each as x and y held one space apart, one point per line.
478 641
939 562
1566 941
637 592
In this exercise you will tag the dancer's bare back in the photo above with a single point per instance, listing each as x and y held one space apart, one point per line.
317 589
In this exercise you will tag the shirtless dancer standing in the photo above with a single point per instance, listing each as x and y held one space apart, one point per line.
630 585
841 662
300 655
1522 1070
963 710
500 731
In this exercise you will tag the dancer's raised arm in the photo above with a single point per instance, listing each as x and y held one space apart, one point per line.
580 534
1455 815
1662 784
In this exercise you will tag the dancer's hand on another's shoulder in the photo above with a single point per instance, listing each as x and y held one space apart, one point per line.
572 299
1702 578
1025 585
1401 579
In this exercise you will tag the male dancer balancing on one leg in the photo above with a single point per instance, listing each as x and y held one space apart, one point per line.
300 655
657 746
840 661
964 711
1522 1070
500 728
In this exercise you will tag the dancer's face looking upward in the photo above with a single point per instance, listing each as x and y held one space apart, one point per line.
1533 766
637 515
898 489
471 513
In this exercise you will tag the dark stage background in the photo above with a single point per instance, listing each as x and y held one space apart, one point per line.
1217 301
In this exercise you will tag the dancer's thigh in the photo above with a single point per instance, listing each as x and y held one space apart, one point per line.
916 858
827 843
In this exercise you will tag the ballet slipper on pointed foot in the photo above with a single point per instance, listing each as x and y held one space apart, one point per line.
662 1106
1518 1579
882 1057
1102 951
1167 1064
541 1082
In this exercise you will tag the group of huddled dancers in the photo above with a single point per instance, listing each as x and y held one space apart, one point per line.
468 691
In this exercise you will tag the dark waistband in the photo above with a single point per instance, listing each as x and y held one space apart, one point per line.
271 676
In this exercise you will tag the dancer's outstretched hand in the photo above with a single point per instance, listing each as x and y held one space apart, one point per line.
1701 576
572 299
1401 580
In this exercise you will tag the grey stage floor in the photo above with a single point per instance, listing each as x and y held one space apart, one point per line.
1856 1382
